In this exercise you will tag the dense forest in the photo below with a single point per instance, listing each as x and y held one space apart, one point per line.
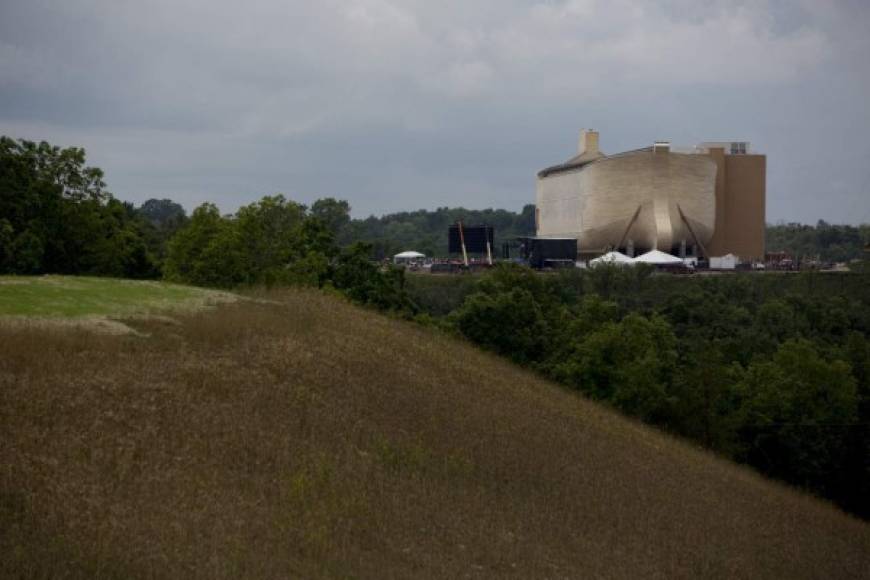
824 241
772 369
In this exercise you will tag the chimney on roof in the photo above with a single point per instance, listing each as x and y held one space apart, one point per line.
588 142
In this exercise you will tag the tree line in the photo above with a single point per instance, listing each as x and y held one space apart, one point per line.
426 231
56 216
276 241
824 241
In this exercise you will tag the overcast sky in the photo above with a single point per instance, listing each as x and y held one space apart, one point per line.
406 104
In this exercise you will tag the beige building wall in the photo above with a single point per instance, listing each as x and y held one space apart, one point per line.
717 242
635 196
740 205
657 198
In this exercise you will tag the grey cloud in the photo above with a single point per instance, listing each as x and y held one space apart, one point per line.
406 104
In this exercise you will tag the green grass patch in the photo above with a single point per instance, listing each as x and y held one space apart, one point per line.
75 297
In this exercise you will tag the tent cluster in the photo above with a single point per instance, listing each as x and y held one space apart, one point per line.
654 257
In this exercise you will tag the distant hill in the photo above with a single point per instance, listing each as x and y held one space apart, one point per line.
298 436
824 241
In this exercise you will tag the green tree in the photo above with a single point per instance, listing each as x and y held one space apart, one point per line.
58 217
159 219
163 214
223 261
510 323
628 363
364 282
851 486
704 400
795 411
270 234
334 213
7 238
187 259
513 312
275 241
828 242
27 254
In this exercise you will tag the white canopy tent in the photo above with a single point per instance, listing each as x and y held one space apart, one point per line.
726 262
408 256
614 257
658 258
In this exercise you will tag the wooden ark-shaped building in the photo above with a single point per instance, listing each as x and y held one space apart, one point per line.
704 201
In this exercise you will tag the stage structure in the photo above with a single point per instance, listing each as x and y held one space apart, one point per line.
548 252
477 239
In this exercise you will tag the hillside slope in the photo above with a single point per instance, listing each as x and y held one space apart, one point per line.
299 436
75 297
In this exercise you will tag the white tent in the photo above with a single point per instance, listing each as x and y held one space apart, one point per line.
726 262
407 256
617 258
658 258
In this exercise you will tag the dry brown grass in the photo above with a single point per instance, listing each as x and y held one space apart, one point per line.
303 437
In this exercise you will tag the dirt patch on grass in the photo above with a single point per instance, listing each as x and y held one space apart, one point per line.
97 324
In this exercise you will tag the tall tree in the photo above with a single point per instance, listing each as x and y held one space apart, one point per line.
334 213
796 410
56 216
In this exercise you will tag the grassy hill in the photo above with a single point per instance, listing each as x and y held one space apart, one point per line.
299 436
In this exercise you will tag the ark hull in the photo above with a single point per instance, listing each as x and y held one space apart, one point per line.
645 199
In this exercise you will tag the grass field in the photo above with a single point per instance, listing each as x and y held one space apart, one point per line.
302 437
77 297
